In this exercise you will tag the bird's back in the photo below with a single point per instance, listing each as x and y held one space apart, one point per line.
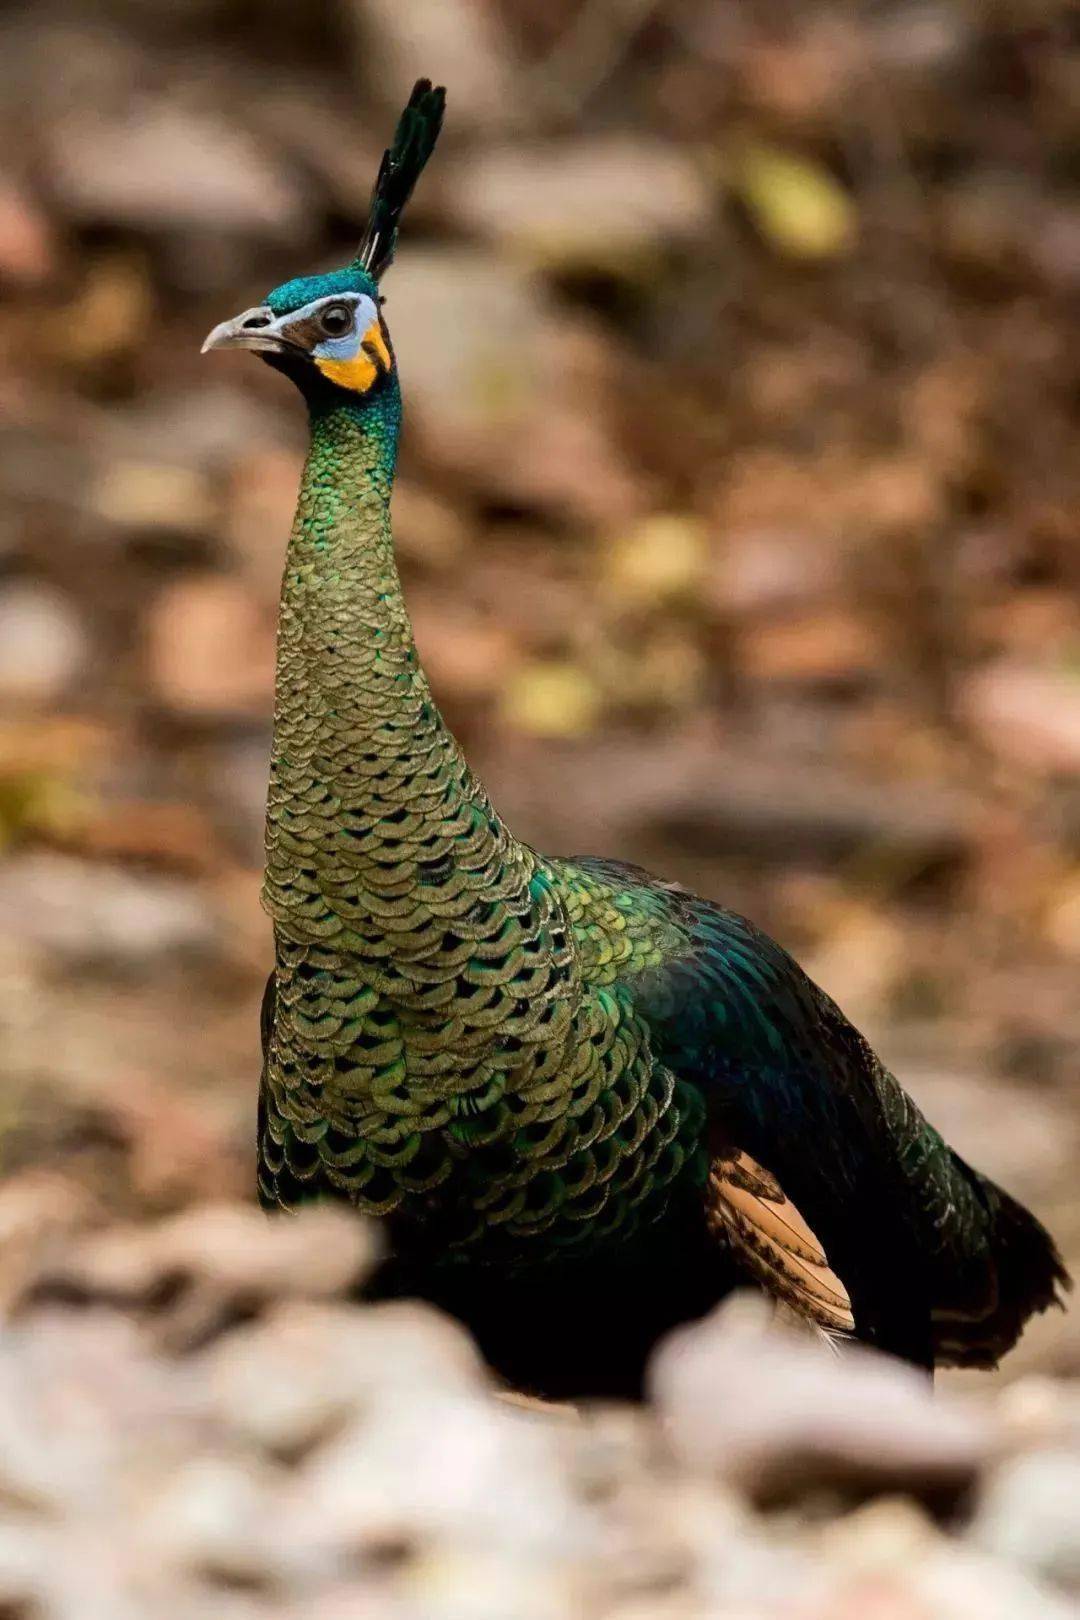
815 1150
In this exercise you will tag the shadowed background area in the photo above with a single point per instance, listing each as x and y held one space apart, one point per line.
738 515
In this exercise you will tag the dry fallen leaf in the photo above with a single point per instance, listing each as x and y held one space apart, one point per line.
551 700
798 206
661 559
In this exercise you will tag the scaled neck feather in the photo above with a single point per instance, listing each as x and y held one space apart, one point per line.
368 789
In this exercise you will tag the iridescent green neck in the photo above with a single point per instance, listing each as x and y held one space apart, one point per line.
340 557
366 783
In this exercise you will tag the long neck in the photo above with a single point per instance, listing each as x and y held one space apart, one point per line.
370 798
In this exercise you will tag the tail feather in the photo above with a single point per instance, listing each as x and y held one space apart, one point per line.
992 1265
1013 1272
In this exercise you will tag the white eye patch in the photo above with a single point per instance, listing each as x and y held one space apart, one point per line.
347 345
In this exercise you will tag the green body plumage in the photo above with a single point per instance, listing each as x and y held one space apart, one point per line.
574 1094
528 1062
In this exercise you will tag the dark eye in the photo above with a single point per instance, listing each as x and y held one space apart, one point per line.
336 320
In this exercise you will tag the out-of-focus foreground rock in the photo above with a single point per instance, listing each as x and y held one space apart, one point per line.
196 1422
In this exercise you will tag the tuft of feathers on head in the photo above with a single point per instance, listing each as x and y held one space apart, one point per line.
402 164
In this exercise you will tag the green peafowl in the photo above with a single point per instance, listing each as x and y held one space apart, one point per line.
582 1101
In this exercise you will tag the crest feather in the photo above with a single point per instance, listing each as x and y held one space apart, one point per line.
402 164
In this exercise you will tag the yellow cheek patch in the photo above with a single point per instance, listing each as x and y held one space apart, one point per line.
373 339
360 372
357 374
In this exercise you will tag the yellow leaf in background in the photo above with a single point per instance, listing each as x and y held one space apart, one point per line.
796 203
552 700
36 804
660 560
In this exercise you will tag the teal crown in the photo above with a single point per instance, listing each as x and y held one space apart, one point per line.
305 289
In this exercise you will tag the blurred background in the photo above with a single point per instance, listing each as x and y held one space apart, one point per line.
739 511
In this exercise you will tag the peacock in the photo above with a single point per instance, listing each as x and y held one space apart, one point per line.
584 1103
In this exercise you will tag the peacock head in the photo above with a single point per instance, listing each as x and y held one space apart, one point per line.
319 330
327 331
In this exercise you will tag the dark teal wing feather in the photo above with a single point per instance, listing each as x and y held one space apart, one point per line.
939 1263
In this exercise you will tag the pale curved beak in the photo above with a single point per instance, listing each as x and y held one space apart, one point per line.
256 329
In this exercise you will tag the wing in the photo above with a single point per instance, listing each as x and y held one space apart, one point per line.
826 1180
747 1209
